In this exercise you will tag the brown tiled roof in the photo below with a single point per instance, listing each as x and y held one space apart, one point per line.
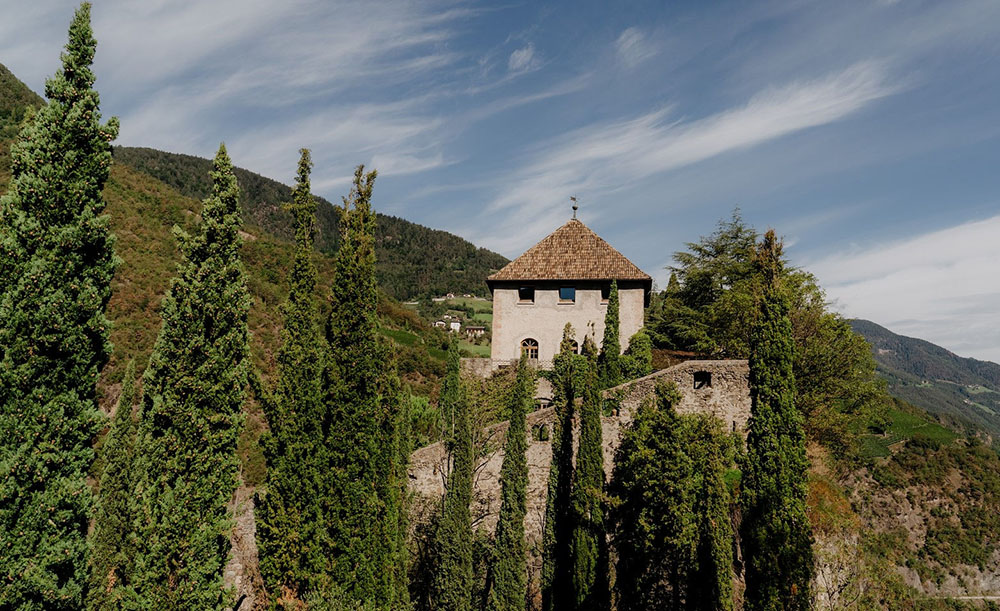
572 252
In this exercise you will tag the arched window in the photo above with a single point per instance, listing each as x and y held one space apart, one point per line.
529 348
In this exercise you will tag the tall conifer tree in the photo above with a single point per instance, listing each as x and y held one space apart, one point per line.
288 516
589 541
193 393
507 584
609 365
360 420
110 544
56 265
452 586
776 536
556 537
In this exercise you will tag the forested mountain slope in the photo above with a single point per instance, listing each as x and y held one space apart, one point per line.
962 391
412 259
143 211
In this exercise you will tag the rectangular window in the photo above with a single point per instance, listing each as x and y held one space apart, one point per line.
567 294
605 293
702 379
526 294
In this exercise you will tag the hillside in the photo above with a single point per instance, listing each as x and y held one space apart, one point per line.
412 259
15 100
962 391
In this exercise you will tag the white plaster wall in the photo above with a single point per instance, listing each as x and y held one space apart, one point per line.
544 319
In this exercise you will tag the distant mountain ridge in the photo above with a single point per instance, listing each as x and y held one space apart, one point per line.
412 259
964 390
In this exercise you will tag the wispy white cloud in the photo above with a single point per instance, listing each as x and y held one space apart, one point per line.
601 158
523 59
633 47
942 286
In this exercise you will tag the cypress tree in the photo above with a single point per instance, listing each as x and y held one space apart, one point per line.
452 586
193 393
609 366
56 266
508 575
557 533
673 532
360 420
589 540
110 550
288 516
776 536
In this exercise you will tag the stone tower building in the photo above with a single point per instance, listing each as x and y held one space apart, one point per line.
565 278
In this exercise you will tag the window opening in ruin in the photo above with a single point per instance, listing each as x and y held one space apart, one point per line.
567 294
526 294
529 348
702 379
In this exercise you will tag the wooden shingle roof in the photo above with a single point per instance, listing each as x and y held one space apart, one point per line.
572 252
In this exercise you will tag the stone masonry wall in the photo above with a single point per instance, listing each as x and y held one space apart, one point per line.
728 398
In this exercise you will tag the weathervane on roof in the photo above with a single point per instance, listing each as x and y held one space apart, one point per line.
572 198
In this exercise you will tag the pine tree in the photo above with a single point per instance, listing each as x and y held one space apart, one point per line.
193 393
776 536
609 366
673 532
589 540
557 533
452 586
288 516
56 266
508 575
361 421
110 549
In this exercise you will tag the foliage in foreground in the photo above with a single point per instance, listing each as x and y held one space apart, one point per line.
452 586
110 544
673 530
192 411
589 551
362 426
776 534
507 584
56 266
289 517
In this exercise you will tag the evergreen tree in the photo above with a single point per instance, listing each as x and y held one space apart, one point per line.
557 533
193 393
452 583
288 516
589 539
609 365
638 358
776 536
508 575
56 266
393 478
361 421
110 549
673 531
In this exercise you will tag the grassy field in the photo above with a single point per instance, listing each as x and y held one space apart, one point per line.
903 426
483 350
479 305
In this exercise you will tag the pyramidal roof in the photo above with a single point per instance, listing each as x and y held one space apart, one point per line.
572 252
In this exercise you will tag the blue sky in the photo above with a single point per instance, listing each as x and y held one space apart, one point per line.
866 132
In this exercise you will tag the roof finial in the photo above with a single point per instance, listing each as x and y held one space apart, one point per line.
572 198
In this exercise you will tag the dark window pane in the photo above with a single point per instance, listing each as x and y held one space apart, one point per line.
526 293
567 293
